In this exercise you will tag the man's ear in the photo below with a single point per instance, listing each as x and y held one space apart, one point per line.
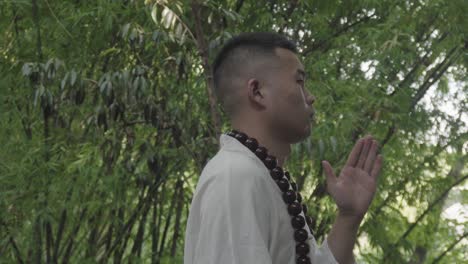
255 93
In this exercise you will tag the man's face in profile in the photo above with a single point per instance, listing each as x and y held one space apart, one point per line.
291 108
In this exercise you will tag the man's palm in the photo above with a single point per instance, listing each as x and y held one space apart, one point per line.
354 189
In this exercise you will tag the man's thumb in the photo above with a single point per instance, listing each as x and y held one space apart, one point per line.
328 170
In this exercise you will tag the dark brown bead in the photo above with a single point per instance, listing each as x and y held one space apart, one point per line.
235 131
241 137
298 222
287 175
283 184
261 153
300 235
231 133
304 208
270 162
276 173
289 196
294 186
310 229
303 260
308 220
299 197
294 208
302 249
252 144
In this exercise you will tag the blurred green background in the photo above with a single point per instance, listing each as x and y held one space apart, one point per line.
107 118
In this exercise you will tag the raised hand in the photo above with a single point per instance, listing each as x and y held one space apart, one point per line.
354 189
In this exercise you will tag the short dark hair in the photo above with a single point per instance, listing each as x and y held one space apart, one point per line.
230 58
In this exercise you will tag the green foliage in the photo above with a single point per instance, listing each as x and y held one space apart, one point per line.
107 120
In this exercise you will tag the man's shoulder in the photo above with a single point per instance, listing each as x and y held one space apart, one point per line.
232 176
227 162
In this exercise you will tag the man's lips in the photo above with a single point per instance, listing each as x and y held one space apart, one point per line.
312 115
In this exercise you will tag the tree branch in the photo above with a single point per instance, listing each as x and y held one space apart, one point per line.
203 50
143 203
292 6
390 132
239 5
342 30
58 21
450 248
16 18
428 209
423 60
71 237
435 75
177 186
35 13
177 223
400 185
11 240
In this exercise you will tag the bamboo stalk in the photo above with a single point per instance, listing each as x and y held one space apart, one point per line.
168 221
180 204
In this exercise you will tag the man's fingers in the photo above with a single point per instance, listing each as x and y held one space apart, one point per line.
364 153
328 170
354 155
371 157
377 166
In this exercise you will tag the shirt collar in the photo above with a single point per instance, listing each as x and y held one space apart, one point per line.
231 144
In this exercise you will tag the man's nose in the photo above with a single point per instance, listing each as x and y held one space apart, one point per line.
310 99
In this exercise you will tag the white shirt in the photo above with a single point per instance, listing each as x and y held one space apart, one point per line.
238 215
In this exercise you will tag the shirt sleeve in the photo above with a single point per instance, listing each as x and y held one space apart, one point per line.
234 213
321 254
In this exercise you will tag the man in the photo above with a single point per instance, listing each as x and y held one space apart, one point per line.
245 208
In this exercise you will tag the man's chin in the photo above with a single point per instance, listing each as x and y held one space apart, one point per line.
308 130
306 133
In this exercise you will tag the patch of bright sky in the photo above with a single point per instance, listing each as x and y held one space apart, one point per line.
457 211
448 103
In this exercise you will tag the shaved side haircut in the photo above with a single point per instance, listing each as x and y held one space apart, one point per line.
237 57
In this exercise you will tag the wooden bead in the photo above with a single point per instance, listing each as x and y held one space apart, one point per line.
294 208
270 162
294 186
304 208
283 184
303 260
298 222
252 144
287 175
276 173
289 196
261 153
300 235
241 137
302 249
308 220
298 197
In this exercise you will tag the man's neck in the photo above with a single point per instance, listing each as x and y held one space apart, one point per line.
280 150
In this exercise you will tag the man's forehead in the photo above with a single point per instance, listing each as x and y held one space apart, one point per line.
291 59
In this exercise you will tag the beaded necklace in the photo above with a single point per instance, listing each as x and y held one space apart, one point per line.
291 196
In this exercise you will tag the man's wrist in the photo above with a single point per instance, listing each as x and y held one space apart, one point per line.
342 237
349 218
